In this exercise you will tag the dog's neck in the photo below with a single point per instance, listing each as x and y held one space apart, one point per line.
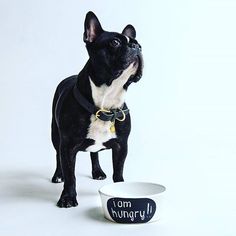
113 96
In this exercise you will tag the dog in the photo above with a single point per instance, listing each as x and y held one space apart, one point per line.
89 112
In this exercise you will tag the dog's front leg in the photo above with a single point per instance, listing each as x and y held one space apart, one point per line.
119 153
68 196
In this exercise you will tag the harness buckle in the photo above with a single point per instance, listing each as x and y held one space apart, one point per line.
97 115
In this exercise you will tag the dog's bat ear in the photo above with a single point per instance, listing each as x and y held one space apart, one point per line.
129 31
92 27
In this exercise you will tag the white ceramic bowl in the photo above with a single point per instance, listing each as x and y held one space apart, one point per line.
132 202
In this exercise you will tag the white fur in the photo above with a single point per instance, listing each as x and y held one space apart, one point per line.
112 96
127 38
107 97
100 132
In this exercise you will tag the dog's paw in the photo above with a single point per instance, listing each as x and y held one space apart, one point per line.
99 175
57 179
66 202
118 179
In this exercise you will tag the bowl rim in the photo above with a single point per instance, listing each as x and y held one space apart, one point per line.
135 197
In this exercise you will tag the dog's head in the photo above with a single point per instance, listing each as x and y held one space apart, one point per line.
111 53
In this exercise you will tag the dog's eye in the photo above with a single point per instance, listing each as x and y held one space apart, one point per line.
115 43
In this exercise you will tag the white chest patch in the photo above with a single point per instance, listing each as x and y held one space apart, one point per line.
100 132
107 97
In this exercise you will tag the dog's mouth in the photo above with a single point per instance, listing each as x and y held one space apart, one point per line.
136 61
117 73
139 63
136 76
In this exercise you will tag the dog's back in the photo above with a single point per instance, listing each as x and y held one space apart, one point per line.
61 92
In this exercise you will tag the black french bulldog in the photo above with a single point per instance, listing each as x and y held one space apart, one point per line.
89 111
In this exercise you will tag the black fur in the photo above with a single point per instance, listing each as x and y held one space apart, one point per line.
70 121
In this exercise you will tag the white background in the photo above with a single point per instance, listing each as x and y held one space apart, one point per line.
183 110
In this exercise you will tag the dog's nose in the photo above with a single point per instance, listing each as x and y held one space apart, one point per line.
135 46
139 47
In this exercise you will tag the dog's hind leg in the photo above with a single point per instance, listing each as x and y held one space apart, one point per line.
97 171
58 176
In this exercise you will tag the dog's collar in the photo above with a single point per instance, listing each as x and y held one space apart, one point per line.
102 114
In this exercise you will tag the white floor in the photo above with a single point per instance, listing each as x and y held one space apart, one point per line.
200 198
